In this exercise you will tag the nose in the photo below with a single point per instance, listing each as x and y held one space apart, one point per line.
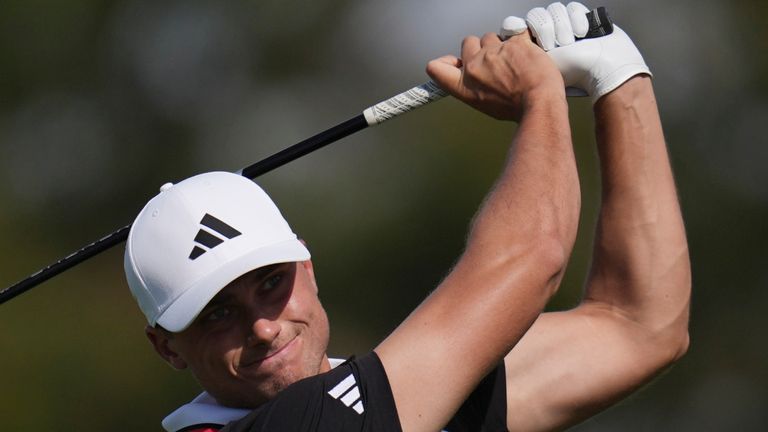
263 332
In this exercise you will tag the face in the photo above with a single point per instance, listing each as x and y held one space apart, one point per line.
261 333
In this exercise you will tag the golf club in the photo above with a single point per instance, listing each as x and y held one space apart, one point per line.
599 25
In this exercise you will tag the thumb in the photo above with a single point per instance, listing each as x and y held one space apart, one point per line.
446 72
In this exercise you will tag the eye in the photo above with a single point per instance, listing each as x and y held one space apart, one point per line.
217 314
272 282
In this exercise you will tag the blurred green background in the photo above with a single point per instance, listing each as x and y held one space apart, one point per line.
101 102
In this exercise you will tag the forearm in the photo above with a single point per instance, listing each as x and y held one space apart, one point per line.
536 200
520 240
641 267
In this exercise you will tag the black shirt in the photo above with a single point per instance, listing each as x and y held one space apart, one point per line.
356 396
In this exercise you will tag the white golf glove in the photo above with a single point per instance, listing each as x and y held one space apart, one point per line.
591 67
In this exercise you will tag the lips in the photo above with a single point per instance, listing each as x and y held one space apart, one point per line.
274 355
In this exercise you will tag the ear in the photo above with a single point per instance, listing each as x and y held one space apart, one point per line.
161 341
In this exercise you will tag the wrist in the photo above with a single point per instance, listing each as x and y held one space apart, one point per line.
550 98
627 94
604 85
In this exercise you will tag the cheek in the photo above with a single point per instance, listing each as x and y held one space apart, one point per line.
318 324
304 307
214 356
300 303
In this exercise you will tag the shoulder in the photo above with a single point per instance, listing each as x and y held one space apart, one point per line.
355 396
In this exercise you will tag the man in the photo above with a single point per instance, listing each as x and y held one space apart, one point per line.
229 292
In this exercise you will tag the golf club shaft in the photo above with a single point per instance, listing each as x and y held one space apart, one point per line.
373 115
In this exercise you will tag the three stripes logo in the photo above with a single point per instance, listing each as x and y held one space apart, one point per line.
208 239
349 394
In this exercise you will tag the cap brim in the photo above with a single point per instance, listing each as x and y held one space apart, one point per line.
180 314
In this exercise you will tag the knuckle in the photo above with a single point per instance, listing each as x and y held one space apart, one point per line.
472 69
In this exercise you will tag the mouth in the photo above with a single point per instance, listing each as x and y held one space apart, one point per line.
283 351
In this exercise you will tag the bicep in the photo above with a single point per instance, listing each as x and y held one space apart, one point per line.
439 354
571 365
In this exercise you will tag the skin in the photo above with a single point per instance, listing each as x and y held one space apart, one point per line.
518 245
633 320
561 367
261 333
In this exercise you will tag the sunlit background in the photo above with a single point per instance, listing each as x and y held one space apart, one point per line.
101 102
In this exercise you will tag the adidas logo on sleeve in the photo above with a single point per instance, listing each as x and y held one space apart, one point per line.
348 393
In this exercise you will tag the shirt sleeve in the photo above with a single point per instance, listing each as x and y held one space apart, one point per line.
354 396
486 408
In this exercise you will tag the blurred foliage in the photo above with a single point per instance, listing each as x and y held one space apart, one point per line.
103 101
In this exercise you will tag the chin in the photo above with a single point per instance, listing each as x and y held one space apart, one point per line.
250 392
264 391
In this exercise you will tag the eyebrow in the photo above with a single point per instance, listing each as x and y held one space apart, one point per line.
261 272
220 298
257 274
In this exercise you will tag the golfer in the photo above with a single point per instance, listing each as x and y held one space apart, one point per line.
229 291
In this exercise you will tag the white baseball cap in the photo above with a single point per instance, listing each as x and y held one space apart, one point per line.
198 235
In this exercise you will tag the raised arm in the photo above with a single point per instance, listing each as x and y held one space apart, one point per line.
518 244
632 322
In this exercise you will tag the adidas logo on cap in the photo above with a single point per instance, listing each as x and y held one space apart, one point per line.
209 240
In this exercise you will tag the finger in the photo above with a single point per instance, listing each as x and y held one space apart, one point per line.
512 26
577 13
446 72
450 60
562 22
469 47
490 39
542 27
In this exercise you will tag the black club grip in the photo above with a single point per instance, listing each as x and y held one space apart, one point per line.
600 23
